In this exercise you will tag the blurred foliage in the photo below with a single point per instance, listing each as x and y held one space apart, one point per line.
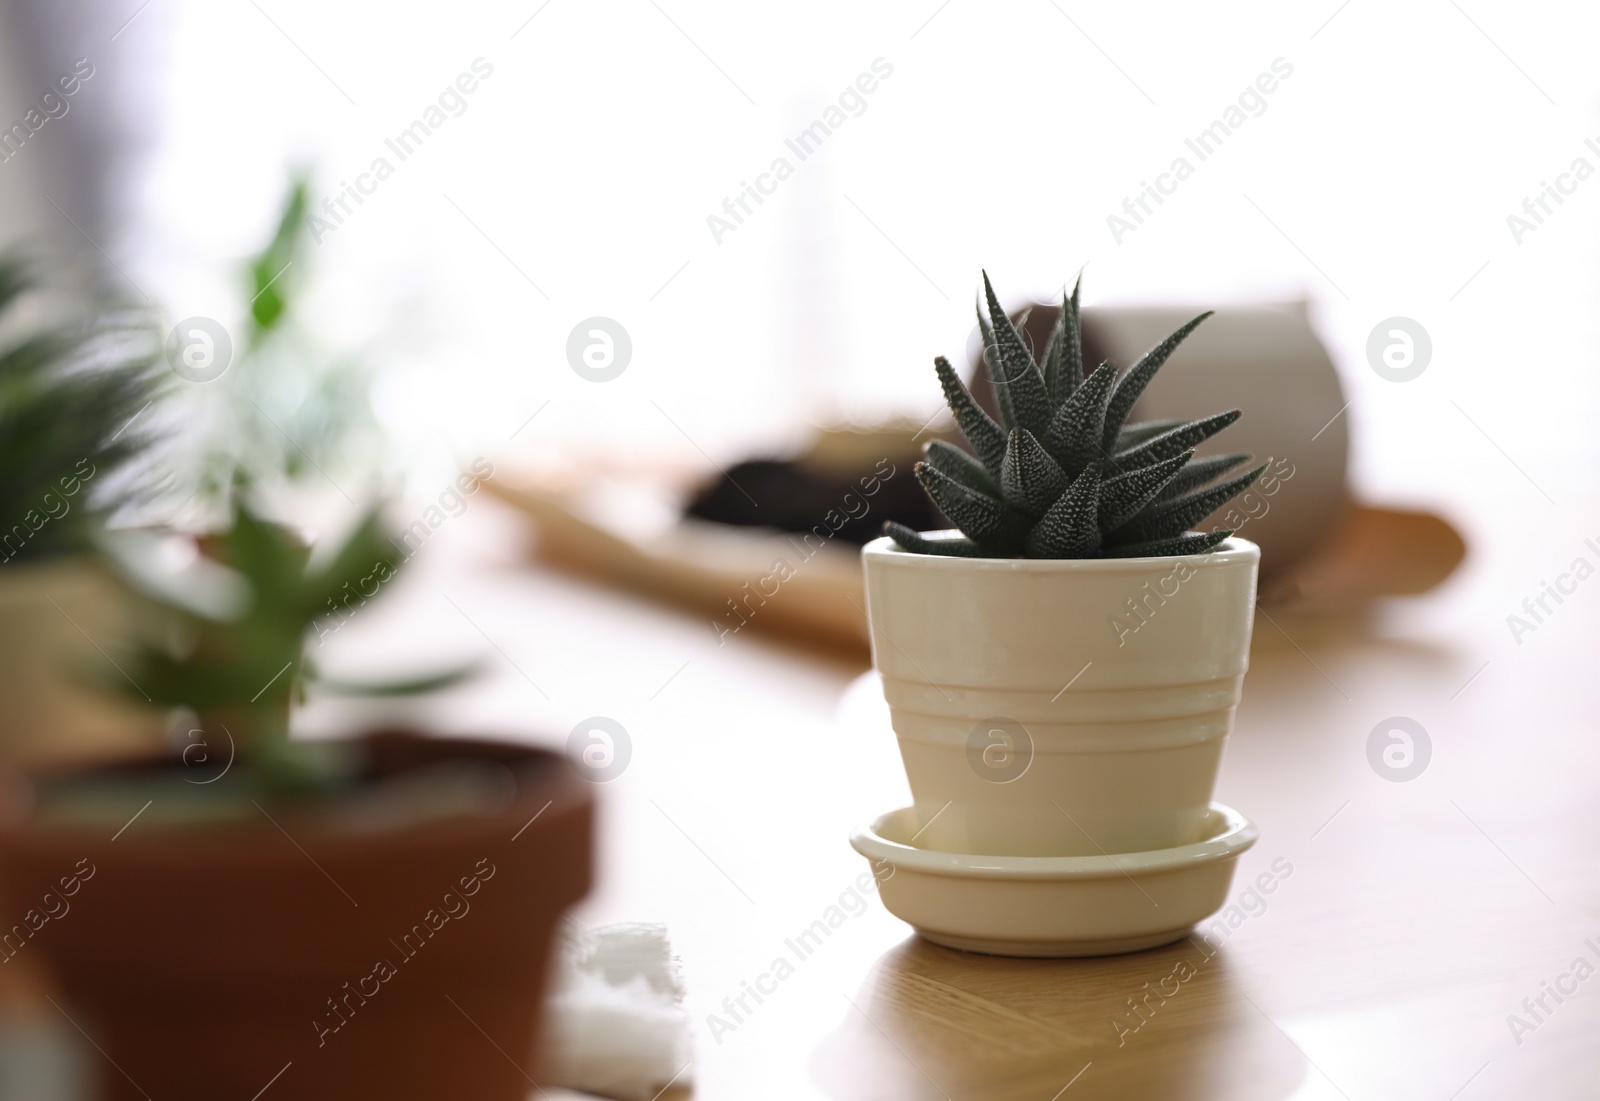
236 654
70 392
286 411
270 301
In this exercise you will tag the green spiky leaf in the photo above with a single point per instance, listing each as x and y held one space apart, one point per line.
1021 324
949 459
919 543
1018 386
1122 497
1073 437
1132 435
1132 384
1071 528
1170 547
1199 472
1174 441
1173 518
987 438
980 517
1030 480
1063 365
991 365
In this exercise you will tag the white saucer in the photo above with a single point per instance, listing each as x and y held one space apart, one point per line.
1054 905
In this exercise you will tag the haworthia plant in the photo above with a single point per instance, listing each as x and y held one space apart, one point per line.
1062 474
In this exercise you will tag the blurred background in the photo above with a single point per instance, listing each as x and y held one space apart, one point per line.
597 166
578 179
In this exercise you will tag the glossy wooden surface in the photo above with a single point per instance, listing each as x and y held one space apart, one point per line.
1406 924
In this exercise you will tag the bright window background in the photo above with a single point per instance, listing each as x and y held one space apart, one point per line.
579 179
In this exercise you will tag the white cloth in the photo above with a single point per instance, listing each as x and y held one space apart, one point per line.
616 1022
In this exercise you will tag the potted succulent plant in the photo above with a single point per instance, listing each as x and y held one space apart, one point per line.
1062 670
263 911
72 391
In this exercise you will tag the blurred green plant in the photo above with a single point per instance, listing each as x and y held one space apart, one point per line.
286 411
70 392
230 643
271 299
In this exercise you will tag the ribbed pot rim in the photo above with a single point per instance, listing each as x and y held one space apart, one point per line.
883 548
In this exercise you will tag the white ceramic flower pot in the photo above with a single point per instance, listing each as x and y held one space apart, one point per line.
58 620
1061 707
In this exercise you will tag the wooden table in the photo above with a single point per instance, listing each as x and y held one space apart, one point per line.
1407 921
1406 924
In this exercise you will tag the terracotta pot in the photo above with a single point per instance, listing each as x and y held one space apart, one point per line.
208 963
1061 707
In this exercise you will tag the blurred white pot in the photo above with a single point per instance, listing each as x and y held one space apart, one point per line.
56 620
1265 358
1268 360
1061 707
